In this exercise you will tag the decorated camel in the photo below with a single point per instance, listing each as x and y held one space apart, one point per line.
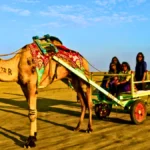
33 67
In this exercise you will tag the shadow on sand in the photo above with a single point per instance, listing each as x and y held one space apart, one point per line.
44 104
117 120
5 132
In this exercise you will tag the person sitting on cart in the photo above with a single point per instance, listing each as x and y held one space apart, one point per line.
123 82
140 70
110 83
116 61
114 68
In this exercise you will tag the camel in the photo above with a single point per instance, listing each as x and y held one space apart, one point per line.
21 69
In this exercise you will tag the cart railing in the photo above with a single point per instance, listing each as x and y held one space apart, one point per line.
133 93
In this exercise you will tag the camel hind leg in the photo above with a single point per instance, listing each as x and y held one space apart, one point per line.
76 84
90 106
81 96
84 94
86 88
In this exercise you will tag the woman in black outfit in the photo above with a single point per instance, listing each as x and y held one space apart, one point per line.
140 70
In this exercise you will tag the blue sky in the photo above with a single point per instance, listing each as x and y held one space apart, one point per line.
98 29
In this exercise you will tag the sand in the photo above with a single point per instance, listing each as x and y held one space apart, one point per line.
58 113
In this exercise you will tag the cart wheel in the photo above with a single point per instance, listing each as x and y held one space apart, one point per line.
138 112
102 110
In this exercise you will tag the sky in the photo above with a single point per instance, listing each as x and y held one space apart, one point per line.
98 29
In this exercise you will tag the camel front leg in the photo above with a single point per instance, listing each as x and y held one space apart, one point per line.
26 94
32 102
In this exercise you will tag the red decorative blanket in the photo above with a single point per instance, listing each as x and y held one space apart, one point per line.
71 57
40 60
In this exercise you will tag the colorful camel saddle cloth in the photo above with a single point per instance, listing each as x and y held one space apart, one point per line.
71 57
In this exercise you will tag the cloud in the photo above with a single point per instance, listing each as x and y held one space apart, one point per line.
112 3
68 13
106 2
24 12
134 3
28 1
21 12
119 18
86 16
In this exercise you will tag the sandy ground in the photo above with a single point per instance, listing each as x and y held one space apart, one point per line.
58 113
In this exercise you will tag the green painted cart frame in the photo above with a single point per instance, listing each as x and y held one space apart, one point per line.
131 101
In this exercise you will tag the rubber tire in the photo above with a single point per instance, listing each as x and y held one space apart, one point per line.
133 109
98 110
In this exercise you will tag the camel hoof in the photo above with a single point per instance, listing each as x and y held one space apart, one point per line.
76 129
89 130
35 135
30 142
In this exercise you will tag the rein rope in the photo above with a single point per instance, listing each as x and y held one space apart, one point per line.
15 52
92 66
